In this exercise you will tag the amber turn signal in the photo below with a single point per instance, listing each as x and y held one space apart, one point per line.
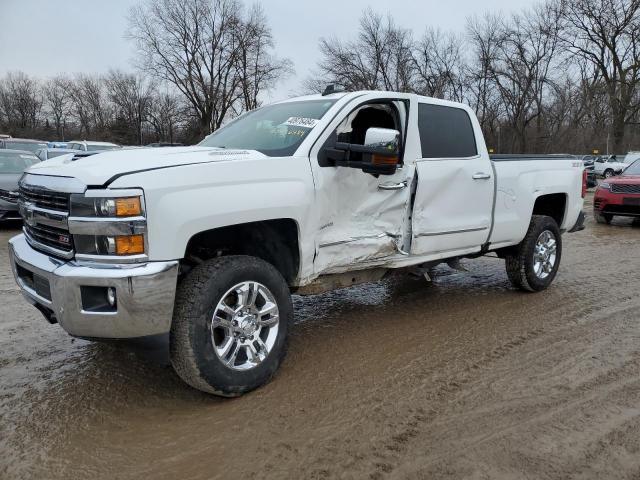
129 244
377 159
128 207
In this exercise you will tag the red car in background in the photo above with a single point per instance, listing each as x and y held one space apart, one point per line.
619 196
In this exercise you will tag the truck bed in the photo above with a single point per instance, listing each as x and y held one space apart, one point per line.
519 157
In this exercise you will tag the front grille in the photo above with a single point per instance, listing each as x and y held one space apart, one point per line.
625 188
44 198
38 227
52 237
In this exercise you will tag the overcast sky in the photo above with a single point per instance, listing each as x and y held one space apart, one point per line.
47 37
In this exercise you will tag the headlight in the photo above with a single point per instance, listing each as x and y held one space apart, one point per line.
108 223
605 186
82 206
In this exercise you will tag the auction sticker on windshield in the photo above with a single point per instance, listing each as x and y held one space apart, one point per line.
301 122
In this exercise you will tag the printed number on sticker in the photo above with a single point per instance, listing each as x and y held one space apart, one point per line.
301 122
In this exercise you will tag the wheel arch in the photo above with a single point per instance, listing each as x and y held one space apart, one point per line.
553 205
275 241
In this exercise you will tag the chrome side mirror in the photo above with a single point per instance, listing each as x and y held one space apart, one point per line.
383 138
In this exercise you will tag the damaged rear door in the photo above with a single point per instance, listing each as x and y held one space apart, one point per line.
455 189
362 219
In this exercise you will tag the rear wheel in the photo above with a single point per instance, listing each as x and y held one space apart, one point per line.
533 264
230 325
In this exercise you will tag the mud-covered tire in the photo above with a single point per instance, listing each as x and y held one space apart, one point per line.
520 261
603 217
191 341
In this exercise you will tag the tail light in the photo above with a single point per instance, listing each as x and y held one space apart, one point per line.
584 183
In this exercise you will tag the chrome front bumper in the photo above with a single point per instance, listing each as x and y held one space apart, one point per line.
145 293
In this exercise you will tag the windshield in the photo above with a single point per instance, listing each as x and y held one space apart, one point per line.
28 146
16 162
275 130
92 147
633 169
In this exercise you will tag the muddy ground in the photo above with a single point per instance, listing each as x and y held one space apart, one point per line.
461 378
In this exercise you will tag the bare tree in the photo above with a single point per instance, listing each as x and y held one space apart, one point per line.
197 45
485 36
89 104
57 98
522 52
380 58
21 101
258 69
131 97
439 65
166 116
606 34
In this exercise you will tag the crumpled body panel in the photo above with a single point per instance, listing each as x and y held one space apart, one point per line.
359 222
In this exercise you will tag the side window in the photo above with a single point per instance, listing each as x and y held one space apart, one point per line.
353 128
445 132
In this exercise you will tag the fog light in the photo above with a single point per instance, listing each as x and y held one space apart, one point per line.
111 296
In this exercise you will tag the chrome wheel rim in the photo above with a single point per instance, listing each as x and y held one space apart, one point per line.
244 326
545 254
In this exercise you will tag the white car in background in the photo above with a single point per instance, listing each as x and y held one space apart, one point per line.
89 146
609 166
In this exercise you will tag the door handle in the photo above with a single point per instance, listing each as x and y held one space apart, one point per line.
392 186
481 176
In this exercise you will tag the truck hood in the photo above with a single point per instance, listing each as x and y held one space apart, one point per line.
100 168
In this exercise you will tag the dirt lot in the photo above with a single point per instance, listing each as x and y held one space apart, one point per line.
462 378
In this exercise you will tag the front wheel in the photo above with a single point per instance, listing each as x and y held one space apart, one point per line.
230 325
608 173
533 264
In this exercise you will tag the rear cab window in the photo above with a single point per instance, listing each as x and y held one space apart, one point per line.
445 132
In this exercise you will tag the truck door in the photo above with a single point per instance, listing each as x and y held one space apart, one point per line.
362 219
455 188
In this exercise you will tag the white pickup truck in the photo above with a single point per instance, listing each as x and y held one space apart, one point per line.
306 195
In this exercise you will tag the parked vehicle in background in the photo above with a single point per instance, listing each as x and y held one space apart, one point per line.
24 144
49 153
3 136
611 165
588 160
90 146
12 164
618 196
58 144
306 195
165 144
